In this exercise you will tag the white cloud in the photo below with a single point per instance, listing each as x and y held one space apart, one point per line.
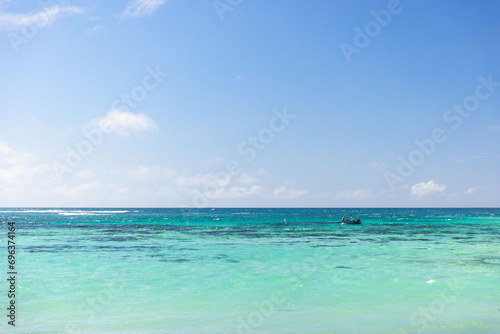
18 169
26 180
20 175
154 173
201 181
84 174
424 188
123 122
167 182
19 157
287 193
5 149
237 192
140 8
261 171
180 181
11 157
42 18
246 179
78 190
472 190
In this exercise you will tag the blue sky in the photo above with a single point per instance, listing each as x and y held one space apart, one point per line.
167 103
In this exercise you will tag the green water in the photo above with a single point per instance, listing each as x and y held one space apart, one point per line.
254 271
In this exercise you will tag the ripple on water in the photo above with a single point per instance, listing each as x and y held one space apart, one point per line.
491 260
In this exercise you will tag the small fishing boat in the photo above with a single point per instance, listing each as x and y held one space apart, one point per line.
349 222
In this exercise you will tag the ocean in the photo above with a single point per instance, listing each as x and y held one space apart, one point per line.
237 271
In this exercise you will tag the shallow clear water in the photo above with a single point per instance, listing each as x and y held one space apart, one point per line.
254 271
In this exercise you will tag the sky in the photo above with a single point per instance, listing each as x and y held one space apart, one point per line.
234 103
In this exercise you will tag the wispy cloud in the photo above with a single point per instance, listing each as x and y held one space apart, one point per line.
288 193
246 179
356 194
425 188
473 157
158 178
19 168
123 122
98 28
41 18
237 192
140 8
9 156
5 149
472 190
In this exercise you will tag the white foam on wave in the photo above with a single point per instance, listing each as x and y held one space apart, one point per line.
111 211
31 211
82 214
91 212
67 212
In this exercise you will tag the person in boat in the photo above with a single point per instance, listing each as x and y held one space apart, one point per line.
343 219
350 218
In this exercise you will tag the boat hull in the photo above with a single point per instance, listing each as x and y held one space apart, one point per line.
352 222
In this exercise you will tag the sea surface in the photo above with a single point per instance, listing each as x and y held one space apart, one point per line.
253 271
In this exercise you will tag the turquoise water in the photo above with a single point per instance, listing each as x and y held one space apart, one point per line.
254 271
